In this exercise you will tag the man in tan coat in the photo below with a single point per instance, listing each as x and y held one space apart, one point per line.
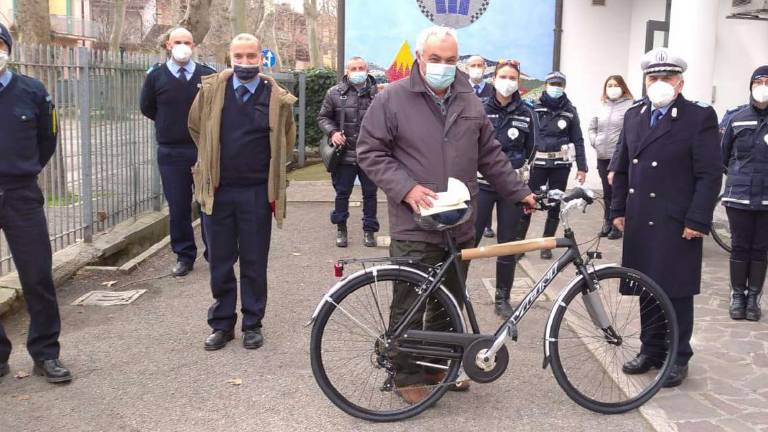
242 124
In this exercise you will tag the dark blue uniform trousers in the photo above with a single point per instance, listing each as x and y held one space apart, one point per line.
175 163
239 228
653 328
26 230
343 181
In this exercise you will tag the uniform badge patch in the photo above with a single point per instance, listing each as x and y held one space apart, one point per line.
513 133
562 124
765 138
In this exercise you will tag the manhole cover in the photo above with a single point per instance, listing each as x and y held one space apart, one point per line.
108 298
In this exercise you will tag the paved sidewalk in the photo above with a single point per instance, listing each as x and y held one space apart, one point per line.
727 387
141 367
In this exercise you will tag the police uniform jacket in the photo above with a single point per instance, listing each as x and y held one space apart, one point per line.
559 125
667 178
344 96
745 154
515 130
28 138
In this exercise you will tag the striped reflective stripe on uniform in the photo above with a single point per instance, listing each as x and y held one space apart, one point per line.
738 201
745 123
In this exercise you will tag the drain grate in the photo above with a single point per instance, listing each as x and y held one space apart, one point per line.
108 298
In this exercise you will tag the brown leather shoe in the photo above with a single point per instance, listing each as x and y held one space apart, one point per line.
413 394
438 377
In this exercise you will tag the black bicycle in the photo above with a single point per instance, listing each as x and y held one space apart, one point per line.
721 229
358 345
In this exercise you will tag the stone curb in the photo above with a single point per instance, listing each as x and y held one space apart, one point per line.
70 260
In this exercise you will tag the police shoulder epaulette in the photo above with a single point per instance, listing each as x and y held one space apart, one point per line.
638 103
529 103
153 67
207 66
702 104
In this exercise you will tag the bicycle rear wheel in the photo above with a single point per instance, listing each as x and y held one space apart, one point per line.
587 360
354 361
721 228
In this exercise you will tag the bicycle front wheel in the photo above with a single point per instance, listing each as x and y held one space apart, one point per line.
357 364
588 354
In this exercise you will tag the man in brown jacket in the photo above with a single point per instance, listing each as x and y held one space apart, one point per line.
421 131
242 124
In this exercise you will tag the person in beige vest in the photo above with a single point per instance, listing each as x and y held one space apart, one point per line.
242 124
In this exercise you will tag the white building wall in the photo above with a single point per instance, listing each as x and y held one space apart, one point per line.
741 48
595 41
642 12
6 11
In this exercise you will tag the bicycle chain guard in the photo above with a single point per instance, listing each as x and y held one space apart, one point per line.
481 368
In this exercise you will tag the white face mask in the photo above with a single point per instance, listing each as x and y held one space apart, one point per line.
439 75
760 93
3 60
505 86
661 93
181 53
476 73
614 93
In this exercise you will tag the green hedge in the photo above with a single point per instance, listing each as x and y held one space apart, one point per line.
318 83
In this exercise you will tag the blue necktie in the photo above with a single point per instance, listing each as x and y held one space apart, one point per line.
1 86
183 74
477 89
243 93
656 115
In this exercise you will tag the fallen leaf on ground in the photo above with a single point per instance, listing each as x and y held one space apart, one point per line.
109 284
295 254
23 397
21 375
235 382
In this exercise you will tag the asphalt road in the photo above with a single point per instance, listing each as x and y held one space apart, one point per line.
141 367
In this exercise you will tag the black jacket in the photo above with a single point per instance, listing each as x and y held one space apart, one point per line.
515 129
355 103
745 155
667 178
558 123
29 131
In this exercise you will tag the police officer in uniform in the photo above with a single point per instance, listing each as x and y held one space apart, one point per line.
560 143
513 121
667 178
166 97
27 144
340 116
745 155
476 70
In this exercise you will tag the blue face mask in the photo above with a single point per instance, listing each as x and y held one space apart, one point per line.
555 92
439 76
246 73
356 78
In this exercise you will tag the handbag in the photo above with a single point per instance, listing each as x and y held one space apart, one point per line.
329 153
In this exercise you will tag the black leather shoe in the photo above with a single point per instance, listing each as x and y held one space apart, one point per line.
52 370
218 340
615 234
605 230
252 339
676 376
182 269
4 369
488 232
639 365
369 239
546 254
341 236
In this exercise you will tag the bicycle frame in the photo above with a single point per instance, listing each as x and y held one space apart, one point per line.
508 328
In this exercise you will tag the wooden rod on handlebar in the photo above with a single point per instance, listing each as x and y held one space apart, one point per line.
510 248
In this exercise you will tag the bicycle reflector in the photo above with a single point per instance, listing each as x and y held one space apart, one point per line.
338 269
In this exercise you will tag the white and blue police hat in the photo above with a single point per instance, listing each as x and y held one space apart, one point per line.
555 77
661 61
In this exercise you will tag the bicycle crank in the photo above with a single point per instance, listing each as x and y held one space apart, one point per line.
483 368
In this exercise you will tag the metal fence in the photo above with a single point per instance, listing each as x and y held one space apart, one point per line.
104 170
